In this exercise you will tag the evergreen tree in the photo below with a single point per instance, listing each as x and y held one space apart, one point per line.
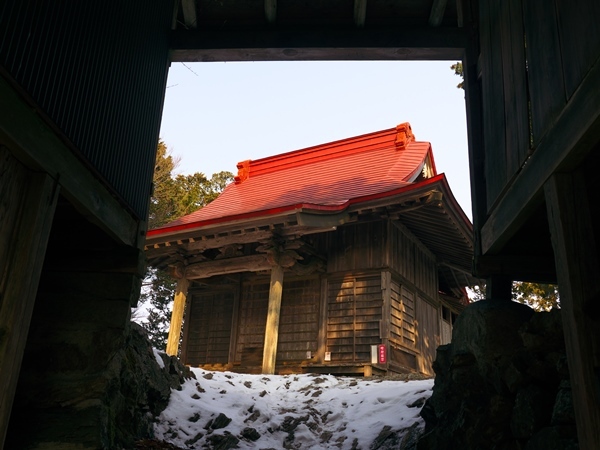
172 197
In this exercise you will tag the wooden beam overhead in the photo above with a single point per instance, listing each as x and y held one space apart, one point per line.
253 263
237 238
271 10
190 19
423 43
360 13
437 12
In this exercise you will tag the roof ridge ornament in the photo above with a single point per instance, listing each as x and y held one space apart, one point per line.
404 135
243 171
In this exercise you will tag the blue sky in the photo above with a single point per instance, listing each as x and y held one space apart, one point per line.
217 114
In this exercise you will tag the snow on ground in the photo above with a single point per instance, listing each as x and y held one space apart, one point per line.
289 411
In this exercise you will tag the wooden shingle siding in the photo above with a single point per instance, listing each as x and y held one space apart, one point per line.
208 328
354 313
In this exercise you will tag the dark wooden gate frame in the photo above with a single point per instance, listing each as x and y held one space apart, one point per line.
561 192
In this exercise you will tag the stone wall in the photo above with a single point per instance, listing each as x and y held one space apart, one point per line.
503 383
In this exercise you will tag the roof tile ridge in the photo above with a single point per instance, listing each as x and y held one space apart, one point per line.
317 153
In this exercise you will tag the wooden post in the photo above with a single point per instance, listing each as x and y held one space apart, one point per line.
29 201
498 288
177 316
272 328
578 270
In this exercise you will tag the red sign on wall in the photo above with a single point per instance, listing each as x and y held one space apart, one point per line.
382 354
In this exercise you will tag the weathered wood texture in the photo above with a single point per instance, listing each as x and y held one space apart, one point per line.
298 325
177 316
208 327
252 318
534 58
412 260
299 320
546 82
273 315
356 247
402 316
428 337
36 143
574 239
27 205
354 312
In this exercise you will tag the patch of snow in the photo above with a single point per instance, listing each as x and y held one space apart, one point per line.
159 359
291 411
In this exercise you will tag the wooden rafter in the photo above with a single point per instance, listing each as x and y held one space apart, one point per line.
360 13
190 19
271 10
437 12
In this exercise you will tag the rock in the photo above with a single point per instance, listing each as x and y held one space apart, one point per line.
250 434
553 438
223 441
501 384
532 411
221 421
563 412
386 439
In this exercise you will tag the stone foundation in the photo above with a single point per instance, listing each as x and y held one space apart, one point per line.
503 383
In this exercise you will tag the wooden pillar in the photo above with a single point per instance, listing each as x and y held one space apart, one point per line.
177 316
272 328
498 288
578 270
26 214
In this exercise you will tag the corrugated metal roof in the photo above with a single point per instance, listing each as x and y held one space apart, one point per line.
324 177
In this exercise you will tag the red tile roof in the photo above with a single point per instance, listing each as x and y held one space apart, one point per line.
324 177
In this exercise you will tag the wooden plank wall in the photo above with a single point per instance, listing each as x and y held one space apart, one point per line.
428 337
505 107
254 300
410 259
534 56
402 316
299 322
354 312
356 247
208 326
